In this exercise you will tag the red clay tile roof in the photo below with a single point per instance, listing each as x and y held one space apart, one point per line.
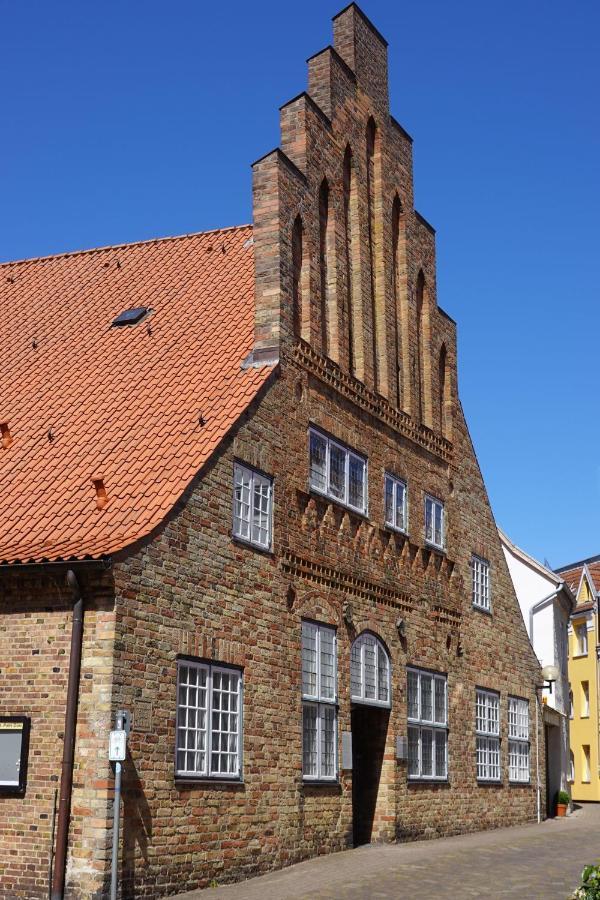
572 575
85 400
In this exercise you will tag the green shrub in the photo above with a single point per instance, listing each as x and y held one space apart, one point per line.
563 797
590 885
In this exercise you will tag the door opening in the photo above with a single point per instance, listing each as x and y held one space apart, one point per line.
369 731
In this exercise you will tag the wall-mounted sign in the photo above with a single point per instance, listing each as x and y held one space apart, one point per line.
14 751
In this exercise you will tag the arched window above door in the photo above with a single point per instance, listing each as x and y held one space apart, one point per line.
369 671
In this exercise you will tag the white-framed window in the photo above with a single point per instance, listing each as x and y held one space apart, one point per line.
427 724
487 739
480 581
336 471
252 506
396 503
319 702
209 721
369 671
518 739
585 700
581 638
435 525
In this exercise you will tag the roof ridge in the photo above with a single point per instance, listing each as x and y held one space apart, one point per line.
106 247
581 562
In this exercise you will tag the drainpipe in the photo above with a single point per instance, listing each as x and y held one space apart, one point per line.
66 779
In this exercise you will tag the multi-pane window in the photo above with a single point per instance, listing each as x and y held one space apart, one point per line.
581 638
487 741
252 506
337 471
209 720
369 671
480 576
434 522
427 725
518 739
395 503
319 702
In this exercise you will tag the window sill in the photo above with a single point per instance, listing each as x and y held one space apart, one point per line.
321 783
403 532
585 717
424 780
518 784
181 782
266 551
314 492
481 609
435 548
580 655
493 782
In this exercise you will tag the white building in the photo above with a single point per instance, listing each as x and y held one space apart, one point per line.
546 604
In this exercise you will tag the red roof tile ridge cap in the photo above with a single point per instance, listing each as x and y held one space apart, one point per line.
157 240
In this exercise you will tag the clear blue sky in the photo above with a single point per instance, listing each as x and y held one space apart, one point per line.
123 121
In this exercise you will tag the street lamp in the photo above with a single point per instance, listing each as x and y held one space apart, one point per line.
550 675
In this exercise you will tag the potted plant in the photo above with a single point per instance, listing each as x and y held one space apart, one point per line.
562 802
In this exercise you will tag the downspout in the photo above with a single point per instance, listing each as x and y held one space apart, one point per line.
66 779
537 758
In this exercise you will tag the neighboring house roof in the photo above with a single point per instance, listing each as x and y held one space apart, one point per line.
574 573
82 400
529 560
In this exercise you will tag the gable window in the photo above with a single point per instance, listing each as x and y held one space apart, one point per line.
582 639
252 506
395 503
434 522
427 725
487 741
209 721
480 572
337 471
369 671
518 739
319 702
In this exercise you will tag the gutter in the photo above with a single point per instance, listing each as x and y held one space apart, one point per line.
66 779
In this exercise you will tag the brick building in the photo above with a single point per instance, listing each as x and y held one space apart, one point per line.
262 484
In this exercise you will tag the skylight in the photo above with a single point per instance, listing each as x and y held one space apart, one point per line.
131 316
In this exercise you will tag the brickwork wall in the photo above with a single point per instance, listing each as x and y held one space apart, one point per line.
190 589
35 636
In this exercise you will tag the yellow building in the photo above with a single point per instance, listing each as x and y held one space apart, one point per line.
584 579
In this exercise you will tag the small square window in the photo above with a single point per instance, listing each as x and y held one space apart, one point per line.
395 496
252 506
435 525
480 581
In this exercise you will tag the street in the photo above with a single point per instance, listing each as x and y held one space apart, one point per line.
530 861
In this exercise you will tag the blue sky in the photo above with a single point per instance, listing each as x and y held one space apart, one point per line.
123 121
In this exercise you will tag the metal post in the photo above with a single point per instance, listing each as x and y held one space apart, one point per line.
115 847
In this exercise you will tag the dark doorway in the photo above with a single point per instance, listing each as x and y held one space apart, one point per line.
369 730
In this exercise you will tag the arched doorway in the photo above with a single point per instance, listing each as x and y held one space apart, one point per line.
370 692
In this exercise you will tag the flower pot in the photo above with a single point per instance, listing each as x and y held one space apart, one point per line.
561 809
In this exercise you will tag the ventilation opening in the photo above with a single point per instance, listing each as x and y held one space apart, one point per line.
6 437
101 494
131 316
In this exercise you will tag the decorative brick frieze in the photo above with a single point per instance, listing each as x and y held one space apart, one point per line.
375 404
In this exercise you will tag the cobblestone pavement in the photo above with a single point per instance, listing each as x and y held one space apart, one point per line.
529 862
